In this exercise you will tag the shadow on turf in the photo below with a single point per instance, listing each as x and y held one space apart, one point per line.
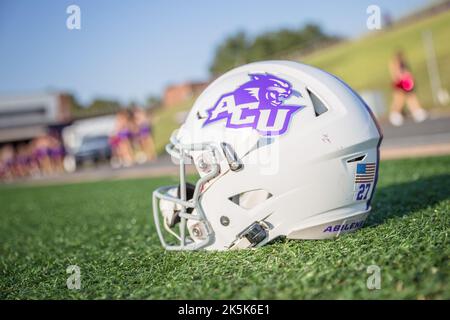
402 199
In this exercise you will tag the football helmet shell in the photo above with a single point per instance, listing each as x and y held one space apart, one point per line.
282 149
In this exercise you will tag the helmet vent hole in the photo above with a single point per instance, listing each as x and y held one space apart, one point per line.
356 159
250 199
318 105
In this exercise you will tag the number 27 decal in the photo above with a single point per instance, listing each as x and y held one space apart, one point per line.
363 191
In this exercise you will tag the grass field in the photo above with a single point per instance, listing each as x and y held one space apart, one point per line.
105 229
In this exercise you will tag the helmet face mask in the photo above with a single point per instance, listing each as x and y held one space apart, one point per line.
182 204
282 150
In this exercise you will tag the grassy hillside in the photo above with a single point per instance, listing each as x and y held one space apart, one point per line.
165 122
364 63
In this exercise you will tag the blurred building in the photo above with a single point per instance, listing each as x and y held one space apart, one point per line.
23 117
178 93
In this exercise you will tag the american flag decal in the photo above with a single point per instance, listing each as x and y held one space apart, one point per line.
365 172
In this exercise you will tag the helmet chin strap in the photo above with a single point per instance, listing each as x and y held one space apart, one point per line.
241 243
256 233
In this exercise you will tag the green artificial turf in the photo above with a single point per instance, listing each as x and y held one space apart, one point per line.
105 228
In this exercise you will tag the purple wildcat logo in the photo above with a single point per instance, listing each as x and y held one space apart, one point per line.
258 104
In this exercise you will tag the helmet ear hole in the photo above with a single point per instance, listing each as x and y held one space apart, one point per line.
250 199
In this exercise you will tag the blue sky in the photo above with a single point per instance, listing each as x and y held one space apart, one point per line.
128 50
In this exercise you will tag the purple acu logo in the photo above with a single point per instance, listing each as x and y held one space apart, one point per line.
258 104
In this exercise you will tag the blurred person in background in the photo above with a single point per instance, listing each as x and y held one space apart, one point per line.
41 154
2 168
56 154
7 162
403 85
114 142
22 161
143 135
32 164
137 154
122 132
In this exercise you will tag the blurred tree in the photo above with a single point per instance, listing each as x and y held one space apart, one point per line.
75 105
152 102
104 106
239 49
232 52
97 107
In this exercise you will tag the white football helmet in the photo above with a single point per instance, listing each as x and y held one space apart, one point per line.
282 149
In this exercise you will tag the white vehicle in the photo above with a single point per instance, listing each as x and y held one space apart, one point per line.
282 149
83 137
